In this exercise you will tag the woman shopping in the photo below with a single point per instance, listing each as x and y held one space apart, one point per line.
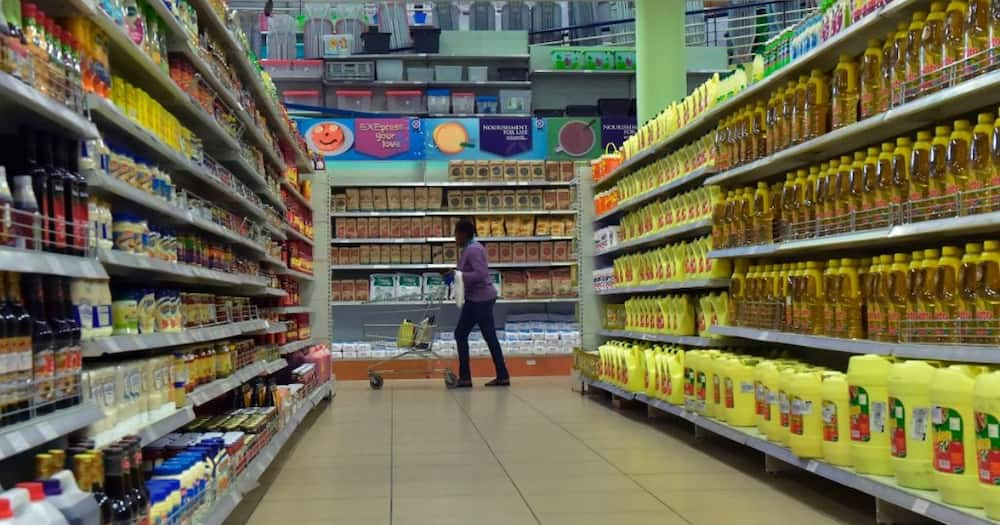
480 296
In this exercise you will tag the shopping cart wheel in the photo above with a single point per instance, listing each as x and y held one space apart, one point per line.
375 381
450 379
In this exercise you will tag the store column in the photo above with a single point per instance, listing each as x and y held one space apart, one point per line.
661 72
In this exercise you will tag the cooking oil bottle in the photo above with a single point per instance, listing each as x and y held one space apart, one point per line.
928 295
850 300
988 299
994 184
765 382
762 219
884 101
799 117
869 284
836 412
968 289
932 48
737 287
977 36
957 172
869 179
809 201
883 300
820 195
937 176
805 428
844 93
954 38
913 331
739 390
914 50
899 183
986 404
980 165
899 56
785 374
883 178
814 297
673 390
856 201
954 434
788 107
831 298
871 78
817 104
842 205
865 280
898 294
948 295
920 169
911 447
868 377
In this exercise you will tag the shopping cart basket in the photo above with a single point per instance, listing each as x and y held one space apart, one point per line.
414 336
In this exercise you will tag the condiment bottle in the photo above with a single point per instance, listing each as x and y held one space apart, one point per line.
888 47
914 51
947 293
932 49
968 289
899 56
920 172
900 180
977 36
844 93
871 78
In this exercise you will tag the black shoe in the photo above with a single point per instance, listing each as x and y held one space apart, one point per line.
498 382
463 384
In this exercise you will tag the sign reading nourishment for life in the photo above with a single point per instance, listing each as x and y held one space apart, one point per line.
614 130
505 137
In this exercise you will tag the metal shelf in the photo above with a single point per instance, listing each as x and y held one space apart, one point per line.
296 234
852 41
686 340
273 292
903 234
691 229
132 343
298 275
162 427
19 99
968 96
37 431
419 240
275 232
584 73
548 300
432 213
295 346
456 184
401 266
247 480
922 502
669 187
288 310
274 328
205 393
695 284
937 351
294 191
273 261
129 264
31 261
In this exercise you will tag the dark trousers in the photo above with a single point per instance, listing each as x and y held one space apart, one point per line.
478 313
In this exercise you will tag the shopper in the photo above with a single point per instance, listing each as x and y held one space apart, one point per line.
480 296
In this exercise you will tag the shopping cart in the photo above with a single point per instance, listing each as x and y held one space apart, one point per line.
415 339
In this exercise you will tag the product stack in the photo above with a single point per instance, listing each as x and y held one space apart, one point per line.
142 242
848 201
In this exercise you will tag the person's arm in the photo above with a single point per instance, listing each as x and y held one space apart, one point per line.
475 267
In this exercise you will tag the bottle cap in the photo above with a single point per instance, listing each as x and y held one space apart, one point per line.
919 16
942 130
931 253
5 511
859 155
950 250
937 7
924 135
35 490
984 118
873 151
887 147
991 245
962 125
917 255
903 141
900 258
973 247
51 487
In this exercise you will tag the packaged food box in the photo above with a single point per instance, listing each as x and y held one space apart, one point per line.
353 198
563 199
340 202
510 171
566 170
599 59
335 288
496 170
560 251
396 226
455 170
420 198
497 228
338 228
468 200
506 252
524 170
549 201
392 195
454 199
435 196
543 226
347 292
539 283
350 228
545 251
493 251
482 200
404 254
362 228
536 201
520 252
437 254
406 198
562 283
469 170
482 170
404 229
385 254
552 171
365 196
416 226
566 58
395 255
425 254
450 254
379 199
531 252
361 290
516 285
523 199
366 254
509 199
495 198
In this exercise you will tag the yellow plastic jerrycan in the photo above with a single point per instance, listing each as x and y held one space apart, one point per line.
766 383
673 381
661 369
868 380
720 370
986 403
739 399
620 370
910 443
635 366
713 383
602 362
785 375
954 435
650 377
836 419
805 427
692 362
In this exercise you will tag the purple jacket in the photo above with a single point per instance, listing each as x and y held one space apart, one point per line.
475 266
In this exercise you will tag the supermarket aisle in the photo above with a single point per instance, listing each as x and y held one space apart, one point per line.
415 453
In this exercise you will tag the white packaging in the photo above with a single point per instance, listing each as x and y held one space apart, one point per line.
434 287
409 287
497 281
382 287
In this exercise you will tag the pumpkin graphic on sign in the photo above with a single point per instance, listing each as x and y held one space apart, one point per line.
330 138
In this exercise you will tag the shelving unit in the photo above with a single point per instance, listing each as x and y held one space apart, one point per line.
685 231
686 340
132 343
205 393
696 284
15 439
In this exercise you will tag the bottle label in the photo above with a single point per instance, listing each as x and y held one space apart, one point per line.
758 398
688 381
716 390
867 415
949 445
800 408
897 428
730 395
700 387
770 401
830 431
988 448
784 408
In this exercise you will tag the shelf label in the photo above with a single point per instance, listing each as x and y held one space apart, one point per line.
920 506
47 431
812 466
17 442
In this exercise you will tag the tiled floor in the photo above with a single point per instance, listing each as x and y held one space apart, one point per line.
415 453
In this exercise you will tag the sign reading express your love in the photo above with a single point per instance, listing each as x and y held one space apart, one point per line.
382 138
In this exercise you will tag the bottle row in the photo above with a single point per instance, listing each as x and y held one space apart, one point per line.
686 159
948 173
926 424
683 315
930 296
440 227
679 262
660 216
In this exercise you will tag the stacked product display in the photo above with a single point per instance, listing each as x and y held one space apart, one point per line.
849 176
141 252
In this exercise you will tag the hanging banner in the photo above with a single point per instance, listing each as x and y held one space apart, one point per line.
489 138
365 139
614 130
574 138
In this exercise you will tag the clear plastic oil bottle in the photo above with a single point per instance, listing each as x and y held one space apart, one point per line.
994 183
817 104
898 294
809 202
883 177
758 132
885 101
844 93
957 172
771 121
968 290
855 204
920 168
980 166
949 297
842 206
820 195
850 305
932 49
899 57
762 219
788 108
869 179
871 78
977 36
988 300
937 176
913 331
899 184
831 292
865 280
799 117
954 38
928 294
873 284
813 295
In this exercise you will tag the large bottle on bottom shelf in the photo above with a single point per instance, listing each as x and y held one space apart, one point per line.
911 445
953 426
867 377
986 404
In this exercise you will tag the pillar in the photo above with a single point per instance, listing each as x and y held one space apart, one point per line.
661 71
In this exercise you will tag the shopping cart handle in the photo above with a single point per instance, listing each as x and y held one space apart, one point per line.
449 279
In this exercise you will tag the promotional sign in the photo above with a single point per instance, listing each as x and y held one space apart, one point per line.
574 138
489 138
614 130
365 139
